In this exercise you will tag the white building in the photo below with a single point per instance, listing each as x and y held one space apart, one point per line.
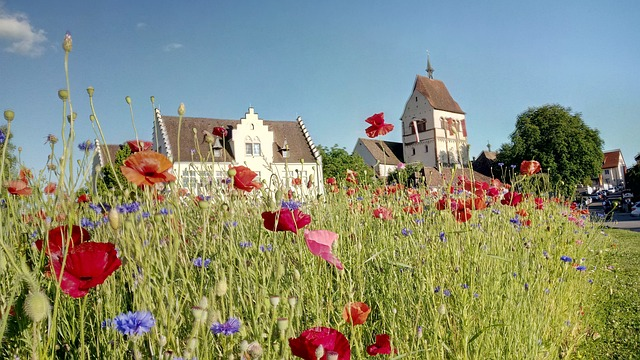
613 169
434 129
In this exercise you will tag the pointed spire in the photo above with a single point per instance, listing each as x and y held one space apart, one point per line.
430 69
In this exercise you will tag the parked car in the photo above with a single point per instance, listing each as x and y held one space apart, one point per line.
635 209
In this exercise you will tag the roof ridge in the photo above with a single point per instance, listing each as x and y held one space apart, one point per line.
165 136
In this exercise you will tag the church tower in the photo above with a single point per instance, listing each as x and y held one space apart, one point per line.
434 130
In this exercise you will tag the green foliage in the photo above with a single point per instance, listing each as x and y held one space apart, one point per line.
336 161
633 180
111 177
568 150
405 176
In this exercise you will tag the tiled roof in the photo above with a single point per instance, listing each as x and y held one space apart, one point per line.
437 94
611 159
392 154
299 147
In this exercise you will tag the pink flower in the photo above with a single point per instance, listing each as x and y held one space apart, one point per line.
382 346
319 243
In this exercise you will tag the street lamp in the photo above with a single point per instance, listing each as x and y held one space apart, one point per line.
285 149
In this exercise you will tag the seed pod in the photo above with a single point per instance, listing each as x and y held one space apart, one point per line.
37 306
114 218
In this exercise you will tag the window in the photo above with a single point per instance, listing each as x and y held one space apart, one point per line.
606 171
426 148
413 151
253 149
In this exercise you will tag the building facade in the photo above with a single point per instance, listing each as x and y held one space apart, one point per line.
613 169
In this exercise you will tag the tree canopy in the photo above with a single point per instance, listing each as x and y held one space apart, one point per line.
336 161
568 150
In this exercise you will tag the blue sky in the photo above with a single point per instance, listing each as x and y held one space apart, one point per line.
333 62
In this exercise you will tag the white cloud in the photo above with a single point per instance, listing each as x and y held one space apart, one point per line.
24 38
172 47
141 25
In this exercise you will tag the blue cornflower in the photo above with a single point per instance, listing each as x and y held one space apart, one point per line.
230 327
515 220
3 137
86 223
146 214
566 258
590 281
359 198
515 274
86 145
513 166
128 208
581 268
291 205
100 208
198 262
266 248
133 323
437 289
545 254
228 224
165 211
495 211
526 286
419 221
447 292
465 286
245 244
407 232
443 238
501 164
546 291
476 295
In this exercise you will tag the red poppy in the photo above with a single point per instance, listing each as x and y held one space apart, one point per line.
83 198
356 313
378 126
305 345
319 243
245 179
382 346
285 220
462 213
331 181
25 175
511 198
539 203
139 145
219 131
296 181
351 191
334 189
147 168
50 188
522 212
413 209
382 213
529 167
18 187
87 266
352 176
63 237
476 203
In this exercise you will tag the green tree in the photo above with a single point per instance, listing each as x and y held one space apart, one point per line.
633 180
567 149
111 178
336 161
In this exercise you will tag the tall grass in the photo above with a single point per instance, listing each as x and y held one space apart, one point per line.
488 288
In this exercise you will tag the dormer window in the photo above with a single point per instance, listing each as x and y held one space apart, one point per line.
253 149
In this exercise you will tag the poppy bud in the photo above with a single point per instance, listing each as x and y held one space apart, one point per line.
9 115
92 118
162 341
296 274
209 138
221 287
72 116
231 172
67 43
255 350
292 301
153 99
181 109
198 313
301 161
280 271
90 91
244 345
274 300
37 306
204 204
283 324
195 131
278 195
63 94
319 352
114 218
204 303
442 309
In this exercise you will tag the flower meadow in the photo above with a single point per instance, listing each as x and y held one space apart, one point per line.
250 270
